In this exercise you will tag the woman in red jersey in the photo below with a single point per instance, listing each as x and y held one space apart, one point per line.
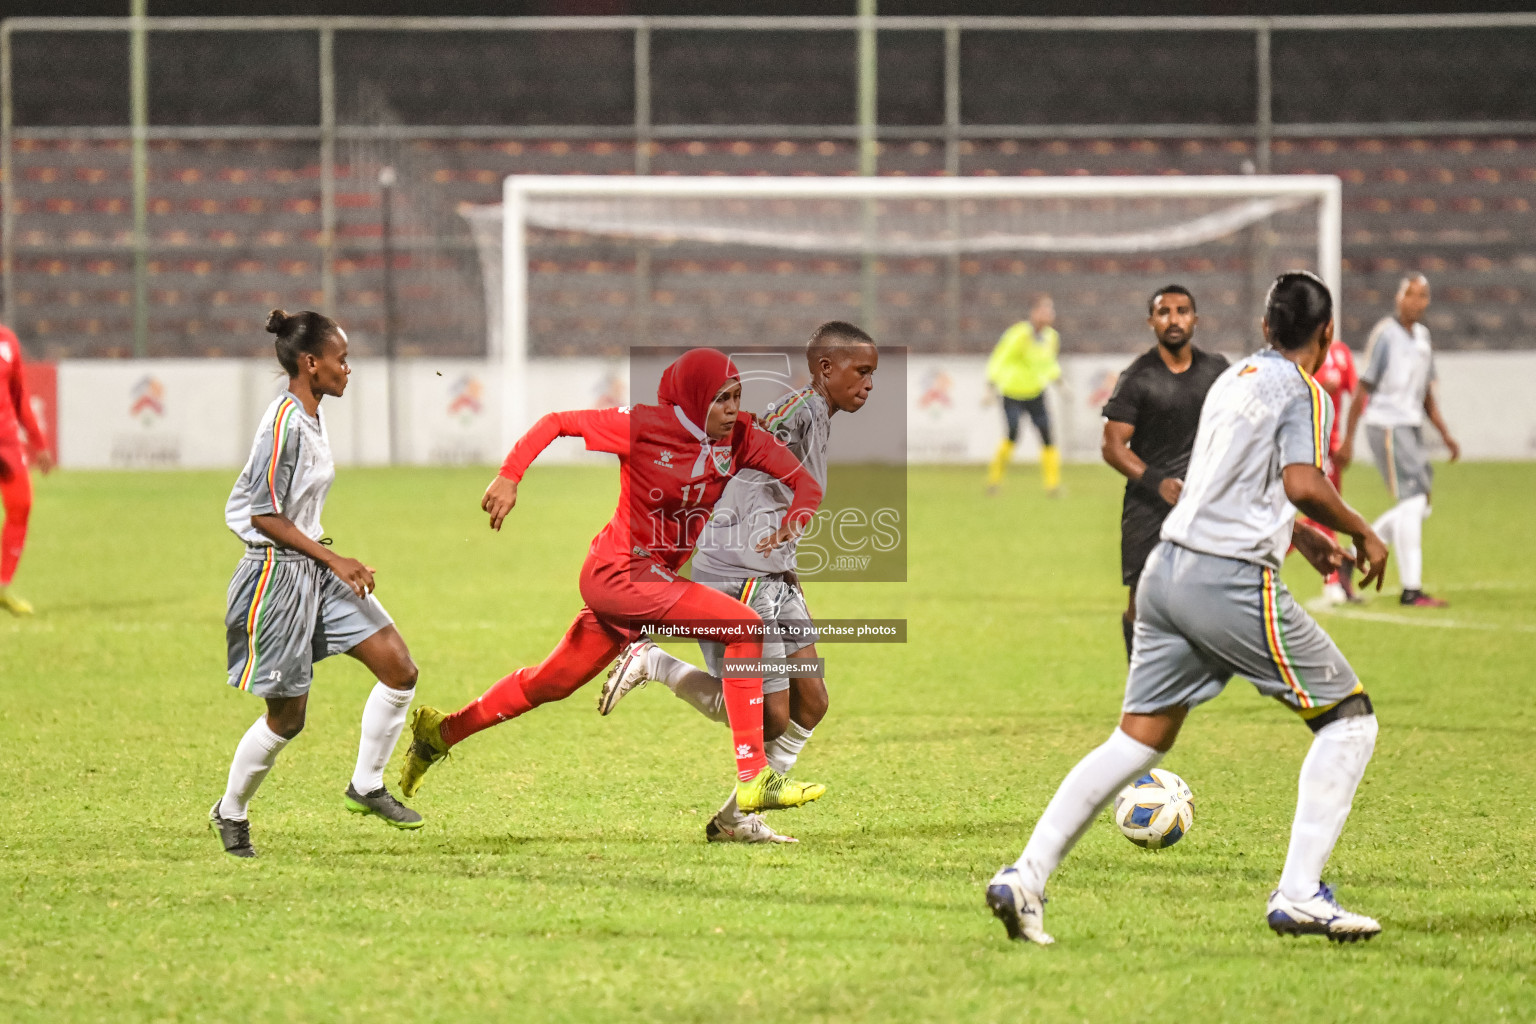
674 460
16 415
1338 378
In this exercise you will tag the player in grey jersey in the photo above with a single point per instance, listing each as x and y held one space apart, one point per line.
1210 605
842 360
293 601
1397 396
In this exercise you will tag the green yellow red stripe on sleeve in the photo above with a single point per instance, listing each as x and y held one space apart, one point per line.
1319 418
784 411
281 424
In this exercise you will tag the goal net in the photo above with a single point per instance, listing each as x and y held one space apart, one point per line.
581 266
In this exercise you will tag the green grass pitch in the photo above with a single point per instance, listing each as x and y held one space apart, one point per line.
563 873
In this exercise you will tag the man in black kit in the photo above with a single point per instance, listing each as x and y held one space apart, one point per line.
1149 429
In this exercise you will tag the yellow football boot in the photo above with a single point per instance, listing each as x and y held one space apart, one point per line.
426 749
771 791
13 604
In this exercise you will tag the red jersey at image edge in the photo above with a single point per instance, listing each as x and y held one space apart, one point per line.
16 412
1337 377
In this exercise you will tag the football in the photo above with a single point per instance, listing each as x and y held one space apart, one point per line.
1156 810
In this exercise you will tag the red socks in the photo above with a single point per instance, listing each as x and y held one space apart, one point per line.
744 708
503 701
16 493
587 647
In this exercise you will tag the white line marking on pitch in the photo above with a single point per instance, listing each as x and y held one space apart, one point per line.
1488 585
1320 607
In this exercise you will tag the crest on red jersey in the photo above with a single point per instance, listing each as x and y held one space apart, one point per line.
722 456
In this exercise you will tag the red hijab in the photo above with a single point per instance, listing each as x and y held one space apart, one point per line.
694 380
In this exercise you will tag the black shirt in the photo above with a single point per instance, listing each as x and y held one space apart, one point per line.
1164 407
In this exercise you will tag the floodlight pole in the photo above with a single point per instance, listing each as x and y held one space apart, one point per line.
868 86
328 170
1259 250
1264 117
138 71
387 180
642 283
868 153
952 168
7 181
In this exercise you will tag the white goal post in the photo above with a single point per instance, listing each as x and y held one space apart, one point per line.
876 216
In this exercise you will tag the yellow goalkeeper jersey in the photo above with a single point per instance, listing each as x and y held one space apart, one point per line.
1022 364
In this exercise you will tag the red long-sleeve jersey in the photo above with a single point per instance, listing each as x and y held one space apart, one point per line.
15 403
669 481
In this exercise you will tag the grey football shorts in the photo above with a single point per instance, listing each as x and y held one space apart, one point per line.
1402 459
1201 619
786 620
286 612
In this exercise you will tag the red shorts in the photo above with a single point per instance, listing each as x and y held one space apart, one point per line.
627 593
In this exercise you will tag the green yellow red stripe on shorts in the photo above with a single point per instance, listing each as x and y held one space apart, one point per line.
253 618
1274 638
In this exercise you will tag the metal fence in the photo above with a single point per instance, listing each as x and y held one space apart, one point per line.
103 177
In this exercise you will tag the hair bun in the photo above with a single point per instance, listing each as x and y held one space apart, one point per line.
275 321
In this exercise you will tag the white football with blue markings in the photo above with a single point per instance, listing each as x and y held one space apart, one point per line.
1156 810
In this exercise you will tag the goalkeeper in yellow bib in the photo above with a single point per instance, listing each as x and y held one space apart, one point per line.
1021 366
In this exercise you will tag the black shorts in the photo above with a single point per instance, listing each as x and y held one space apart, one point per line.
1015 408
1140 528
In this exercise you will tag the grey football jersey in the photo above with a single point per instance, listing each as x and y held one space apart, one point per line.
1263 414
289 473
1399 366
754 503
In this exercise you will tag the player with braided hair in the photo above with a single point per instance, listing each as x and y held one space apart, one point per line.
1210 605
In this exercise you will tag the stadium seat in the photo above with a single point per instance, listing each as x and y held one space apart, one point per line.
235 228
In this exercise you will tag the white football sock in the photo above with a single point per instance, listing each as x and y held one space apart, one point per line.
700 690
1386 525
664 668
1410 541
1086 790
784 751
730 813
254 757
1329 775
705 694
383 719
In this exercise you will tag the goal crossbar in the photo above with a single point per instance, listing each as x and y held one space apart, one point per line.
520 192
